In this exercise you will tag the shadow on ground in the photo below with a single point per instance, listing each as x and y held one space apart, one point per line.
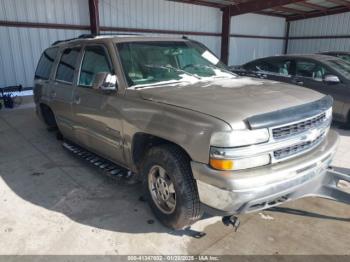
299 212
35 166
342 129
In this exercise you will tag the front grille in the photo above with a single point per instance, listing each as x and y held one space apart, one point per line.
293 129
293 150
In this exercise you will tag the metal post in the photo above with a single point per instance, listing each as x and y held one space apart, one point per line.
225 35
94 17
286 40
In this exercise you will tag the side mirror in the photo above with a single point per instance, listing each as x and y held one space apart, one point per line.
331 79
105 81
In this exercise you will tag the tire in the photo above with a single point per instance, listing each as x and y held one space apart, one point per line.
176 164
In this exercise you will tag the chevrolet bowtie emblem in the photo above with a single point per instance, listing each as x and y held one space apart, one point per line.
313 135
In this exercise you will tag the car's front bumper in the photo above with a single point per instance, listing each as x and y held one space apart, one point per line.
244 191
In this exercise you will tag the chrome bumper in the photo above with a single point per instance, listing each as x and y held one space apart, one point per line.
244 191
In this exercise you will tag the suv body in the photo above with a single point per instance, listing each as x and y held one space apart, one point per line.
326 74
200 137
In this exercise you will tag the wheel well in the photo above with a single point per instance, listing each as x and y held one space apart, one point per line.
48 115
142 142
44 106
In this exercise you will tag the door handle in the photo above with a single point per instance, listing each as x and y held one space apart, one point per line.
53 94
76 99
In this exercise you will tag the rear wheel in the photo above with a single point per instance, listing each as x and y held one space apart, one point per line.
170 187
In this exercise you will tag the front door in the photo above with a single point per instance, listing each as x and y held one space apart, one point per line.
96 113
311 74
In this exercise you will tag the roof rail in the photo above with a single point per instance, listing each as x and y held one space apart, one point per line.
83 36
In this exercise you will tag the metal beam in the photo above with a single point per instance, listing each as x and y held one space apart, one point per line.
332 11
200 2
225 35
320 37
94 17
289 10
340 2
43 25
286 41
271 14
258 5
312 6
258 36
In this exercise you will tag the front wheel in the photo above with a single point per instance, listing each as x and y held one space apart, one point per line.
170 187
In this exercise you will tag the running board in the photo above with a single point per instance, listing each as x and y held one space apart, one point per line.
107 167
330 189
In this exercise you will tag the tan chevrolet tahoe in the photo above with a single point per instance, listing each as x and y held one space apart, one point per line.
199 137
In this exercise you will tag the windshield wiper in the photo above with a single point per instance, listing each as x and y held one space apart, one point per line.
219 68
175 69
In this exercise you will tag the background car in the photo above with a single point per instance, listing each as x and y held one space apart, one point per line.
342 55
326 74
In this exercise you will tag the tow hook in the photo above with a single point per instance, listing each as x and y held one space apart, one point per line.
231 220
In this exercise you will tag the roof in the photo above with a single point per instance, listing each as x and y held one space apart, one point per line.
290 9
335 53
318 57
311 56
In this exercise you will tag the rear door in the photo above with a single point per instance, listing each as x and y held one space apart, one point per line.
311 73
96 113
61 93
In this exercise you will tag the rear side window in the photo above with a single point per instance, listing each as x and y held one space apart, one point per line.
66 67
95 60
45 63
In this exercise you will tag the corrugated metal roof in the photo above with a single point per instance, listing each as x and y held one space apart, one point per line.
294 10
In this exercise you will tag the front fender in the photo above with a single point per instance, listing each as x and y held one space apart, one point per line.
188 129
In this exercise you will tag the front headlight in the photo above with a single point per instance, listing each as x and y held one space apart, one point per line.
239 138
220 161
221 142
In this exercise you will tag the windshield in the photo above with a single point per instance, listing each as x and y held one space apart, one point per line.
163 62
341 66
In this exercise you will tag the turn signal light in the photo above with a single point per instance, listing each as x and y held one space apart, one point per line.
222 164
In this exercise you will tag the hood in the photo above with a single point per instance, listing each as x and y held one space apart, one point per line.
231 100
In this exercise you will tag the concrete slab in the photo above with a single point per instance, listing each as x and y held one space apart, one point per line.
53 203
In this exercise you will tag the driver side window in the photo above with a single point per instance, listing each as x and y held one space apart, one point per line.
95 61
310 69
